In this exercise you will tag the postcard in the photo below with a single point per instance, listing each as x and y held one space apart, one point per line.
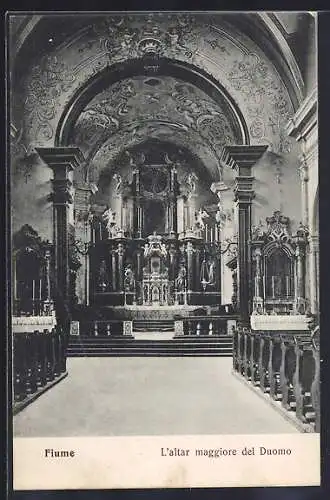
164 315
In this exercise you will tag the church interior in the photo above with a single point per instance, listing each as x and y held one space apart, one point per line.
164 205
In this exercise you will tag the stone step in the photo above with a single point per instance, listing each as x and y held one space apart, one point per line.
125 338
153 325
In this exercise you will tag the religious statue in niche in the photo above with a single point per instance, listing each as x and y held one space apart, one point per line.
102 282
181 279
207 273
129 280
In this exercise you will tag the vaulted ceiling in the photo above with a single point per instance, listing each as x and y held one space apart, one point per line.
59 58
160 107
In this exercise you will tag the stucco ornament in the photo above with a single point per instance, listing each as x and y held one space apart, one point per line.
121 34
48 80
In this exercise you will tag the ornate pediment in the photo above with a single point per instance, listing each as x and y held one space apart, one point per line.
276 228
28 239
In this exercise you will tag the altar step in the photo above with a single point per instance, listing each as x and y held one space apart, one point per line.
189 346
153 325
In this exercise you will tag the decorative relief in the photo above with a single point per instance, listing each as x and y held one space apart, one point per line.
48 80
123 35
254 79
117 38
135 104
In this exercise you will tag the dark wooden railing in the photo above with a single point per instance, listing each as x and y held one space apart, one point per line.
205 325
39 361
284 365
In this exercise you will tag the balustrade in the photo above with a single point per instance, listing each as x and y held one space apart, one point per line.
204 325
101 328
39 359
284 365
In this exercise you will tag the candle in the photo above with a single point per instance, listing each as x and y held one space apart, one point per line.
287 286
100 227
15 288
211 234
206 232
39 289
33 289
273 286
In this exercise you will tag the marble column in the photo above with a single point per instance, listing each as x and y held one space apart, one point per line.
300 300
303 171
114 269
138 210
63 161
190 266
121 259
242 159
258 299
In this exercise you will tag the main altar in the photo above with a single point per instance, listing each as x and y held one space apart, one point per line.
149 243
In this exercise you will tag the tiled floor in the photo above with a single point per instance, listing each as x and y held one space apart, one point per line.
149 396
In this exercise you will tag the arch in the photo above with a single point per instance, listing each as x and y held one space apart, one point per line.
261 26
272 246
148 66
207 171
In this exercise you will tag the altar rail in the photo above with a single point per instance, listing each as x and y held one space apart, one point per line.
284 365
39 361
102 328
206 325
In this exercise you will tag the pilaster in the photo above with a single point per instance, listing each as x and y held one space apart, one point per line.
242 159
63 161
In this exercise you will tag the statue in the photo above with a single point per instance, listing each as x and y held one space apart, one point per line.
110 219
191 181
211 272
181 279
102 277
200 216
146 250
118 182
163 249
129 280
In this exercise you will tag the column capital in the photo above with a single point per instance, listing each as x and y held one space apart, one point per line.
61 160
242 158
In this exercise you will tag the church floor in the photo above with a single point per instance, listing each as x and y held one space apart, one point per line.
141 396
